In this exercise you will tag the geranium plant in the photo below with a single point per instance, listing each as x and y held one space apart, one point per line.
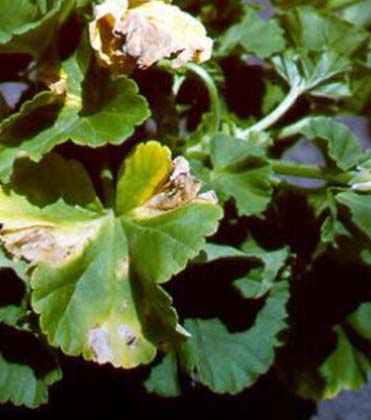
151 144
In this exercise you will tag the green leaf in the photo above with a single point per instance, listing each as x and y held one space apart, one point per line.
241 171
95 111
358 13
230 362
20 384
163 379
212 252
29 26
332 227
274 94
360 320
359 206
253 35
348 366
260 280
345 368
308 28
11 314
317 73
343 147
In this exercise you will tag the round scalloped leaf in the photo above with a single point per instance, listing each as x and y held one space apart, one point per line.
95 111
241 171
229 362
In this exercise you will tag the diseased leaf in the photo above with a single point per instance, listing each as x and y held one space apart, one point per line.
80 282
86 305
241 171
93 113
230 362
91 301
165 218
166 223
253 35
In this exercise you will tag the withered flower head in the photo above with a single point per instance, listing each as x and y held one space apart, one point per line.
129 33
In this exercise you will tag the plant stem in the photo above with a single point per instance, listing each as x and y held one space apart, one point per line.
299 170
275 115
291 130
212 89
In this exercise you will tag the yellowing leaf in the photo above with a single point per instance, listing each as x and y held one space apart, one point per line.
141 174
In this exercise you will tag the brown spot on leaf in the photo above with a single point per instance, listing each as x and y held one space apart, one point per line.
47 244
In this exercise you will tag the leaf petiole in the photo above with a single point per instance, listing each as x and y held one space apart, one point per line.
299 170
275 115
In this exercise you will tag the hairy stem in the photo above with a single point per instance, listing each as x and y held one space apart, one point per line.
275 115
299 170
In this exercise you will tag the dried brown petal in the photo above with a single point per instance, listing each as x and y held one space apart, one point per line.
144 34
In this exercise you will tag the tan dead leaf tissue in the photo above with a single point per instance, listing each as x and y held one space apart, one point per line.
126 34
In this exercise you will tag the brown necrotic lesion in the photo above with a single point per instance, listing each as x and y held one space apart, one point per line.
181 188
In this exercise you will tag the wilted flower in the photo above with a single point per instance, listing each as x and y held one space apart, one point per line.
128 33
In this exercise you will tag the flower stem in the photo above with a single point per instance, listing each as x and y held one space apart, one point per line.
299 170
275 115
